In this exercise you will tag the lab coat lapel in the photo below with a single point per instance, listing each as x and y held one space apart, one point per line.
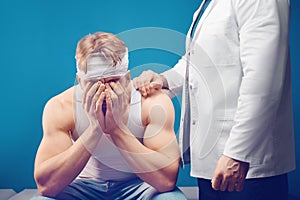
198 28
203 18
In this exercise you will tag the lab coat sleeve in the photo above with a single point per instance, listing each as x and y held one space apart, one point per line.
175 77
263 30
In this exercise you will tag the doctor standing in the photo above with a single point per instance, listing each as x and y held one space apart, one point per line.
235 78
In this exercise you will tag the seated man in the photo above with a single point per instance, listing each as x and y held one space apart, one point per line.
102 139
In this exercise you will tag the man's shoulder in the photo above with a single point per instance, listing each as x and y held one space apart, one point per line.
157 97
157 108
61 101
58 111
155 101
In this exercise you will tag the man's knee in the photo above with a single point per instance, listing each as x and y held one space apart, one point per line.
41 198
176 194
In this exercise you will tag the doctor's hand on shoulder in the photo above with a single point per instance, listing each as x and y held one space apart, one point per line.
148 82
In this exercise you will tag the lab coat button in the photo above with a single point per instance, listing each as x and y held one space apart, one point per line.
194 122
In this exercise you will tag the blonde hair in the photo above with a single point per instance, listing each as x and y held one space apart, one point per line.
109 45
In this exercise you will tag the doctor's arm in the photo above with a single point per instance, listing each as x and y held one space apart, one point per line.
263 33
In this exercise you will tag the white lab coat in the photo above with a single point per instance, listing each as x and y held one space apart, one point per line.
240 86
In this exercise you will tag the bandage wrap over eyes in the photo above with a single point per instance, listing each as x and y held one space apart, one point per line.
98 66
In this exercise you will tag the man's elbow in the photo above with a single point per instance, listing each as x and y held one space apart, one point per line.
46 191
166 185
169 180
45 188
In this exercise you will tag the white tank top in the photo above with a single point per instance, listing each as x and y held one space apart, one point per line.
107 163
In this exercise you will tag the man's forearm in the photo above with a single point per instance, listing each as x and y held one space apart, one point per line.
148 164
55 173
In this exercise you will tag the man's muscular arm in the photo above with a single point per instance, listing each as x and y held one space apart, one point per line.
156 159
59 160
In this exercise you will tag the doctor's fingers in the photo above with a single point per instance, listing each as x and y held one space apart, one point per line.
216 182
224 184
232 184
240 180
142 80
239 184
231 176
227 183
140 86
143 91
149 89
153 86
142 83
237 179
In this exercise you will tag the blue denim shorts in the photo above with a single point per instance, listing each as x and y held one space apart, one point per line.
82 189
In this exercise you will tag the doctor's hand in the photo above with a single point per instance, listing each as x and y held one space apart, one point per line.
148 82
229 174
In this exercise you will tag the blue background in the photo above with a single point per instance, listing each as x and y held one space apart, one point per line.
38 41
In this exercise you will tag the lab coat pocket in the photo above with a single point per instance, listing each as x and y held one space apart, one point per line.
213 138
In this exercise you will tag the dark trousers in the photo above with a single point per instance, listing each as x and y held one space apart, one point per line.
271 188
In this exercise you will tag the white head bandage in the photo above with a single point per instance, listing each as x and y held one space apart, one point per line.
99 67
